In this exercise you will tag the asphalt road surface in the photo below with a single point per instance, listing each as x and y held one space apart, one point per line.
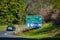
9 34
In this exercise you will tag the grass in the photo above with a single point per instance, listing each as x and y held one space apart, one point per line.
43 32
3 27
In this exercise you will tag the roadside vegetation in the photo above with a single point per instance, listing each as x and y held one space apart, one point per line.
15 11
48 30
3 27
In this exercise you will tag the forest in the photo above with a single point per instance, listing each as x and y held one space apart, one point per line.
15 11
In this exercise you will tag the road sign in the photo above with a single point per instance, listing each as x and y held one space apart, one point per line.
33 21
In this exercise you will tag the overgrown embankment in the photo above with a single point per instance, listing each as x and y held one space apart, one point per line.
47 30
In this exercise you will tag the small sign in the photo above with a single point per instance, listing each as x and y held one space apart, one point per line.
33 21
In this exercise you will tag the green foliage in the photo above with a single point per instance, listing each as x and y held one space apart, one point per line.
44 32
56 3
11 11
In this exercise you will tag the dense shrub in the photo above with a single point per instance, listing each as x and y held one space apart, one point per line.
12 11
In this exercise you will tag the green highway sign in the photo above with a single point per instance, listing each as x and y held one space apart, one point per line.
35 20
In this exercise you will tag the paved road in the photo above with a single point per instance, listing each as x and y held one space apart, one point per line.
9 34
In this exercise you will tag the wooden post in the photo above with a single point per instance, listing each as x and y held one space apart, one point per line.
29 29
